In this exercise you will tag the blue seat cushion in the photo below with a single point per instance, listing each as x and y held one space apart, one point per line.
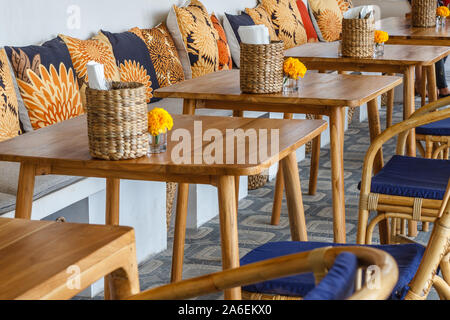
438 128
407 256
339 283
412 177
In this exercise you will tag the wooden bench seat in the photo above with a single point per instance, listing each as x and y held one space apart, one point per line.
41 260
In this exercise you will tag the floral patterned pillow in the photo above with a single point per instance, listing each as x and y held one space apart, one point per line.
9 106
199 38
96 49
328 16
225 60
163 54
260 16
47 82
287 21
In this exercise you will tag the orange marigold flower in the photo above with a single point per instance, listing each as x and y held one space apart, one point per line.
381 36
159 121
443 11
294 69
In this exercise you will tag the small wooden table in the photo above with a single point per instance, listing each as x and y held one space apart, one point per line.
320 94
401 31
51 260
396 59
62 149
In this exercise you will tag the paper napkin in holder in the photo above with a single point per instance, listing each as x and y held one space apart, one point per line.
258 34
96 75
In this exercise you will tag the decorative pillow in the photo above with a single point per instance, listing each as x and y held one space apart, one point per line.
307 23
47 82
9 106
287 21
260 16
134 61
225 61
344 5
163 54
199 38
96 49
231 24
328 16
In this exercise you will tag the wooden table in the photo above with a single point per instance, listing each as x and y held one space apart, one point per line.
402 32
396 59
62 149
51 260
320 94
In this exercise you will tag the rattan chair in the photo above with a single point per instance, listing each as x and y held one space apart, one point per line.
331 283
407 188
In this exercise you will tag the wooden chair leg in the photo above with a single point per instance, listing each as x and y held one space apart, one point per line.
315 161
124 282
390 105
180 232
278 197
423 87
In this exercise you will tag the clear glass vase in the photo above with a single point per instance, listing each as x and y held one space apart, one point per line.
440 21
157 144
379 49
290 85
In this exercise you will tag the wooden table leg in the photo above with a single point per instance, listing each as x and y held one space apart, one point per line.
431 80
423 87
228 230
294 198
375 130
237 179
279 188
337 173
25 191
390 105
408 110
124 282
180 232
111 218
315 159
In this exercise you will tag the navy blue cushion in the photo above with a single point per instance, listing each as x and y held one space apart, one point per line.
339 283
438 128
413 177
134 61
239 20
407 256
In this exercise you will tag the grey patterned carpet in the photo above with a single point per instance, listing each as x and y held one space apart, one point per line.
202 254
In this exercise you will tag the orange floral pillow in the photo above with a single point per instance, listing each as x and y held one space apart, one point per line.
260 16
9 106
163 54
96 49
286 21
225 60
328 15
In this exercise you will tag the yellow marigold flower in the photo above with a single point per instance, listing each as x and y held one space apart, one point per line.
294 69
159 121
381 36
443 11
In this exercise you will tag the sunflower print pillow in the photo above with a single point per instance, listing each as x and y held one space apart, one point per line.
133 59
199 37
96 49
163 54
260 16
47 82
344 5
225 60
9 106
328 15
287 21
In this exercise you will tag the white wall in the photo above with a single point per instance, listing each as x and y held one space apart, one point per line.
25 22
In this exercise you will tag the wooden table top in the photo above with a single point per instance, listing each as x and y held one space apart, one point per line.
65 145
35 255
401 28
316 89
393 54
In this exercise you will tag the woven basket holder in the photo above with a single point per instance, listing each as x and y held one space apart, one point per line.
358 38
424 13
262 67
117 121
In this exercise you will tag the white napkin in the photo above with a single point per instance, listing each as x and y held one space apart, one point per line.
361 12
96 75
258 34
